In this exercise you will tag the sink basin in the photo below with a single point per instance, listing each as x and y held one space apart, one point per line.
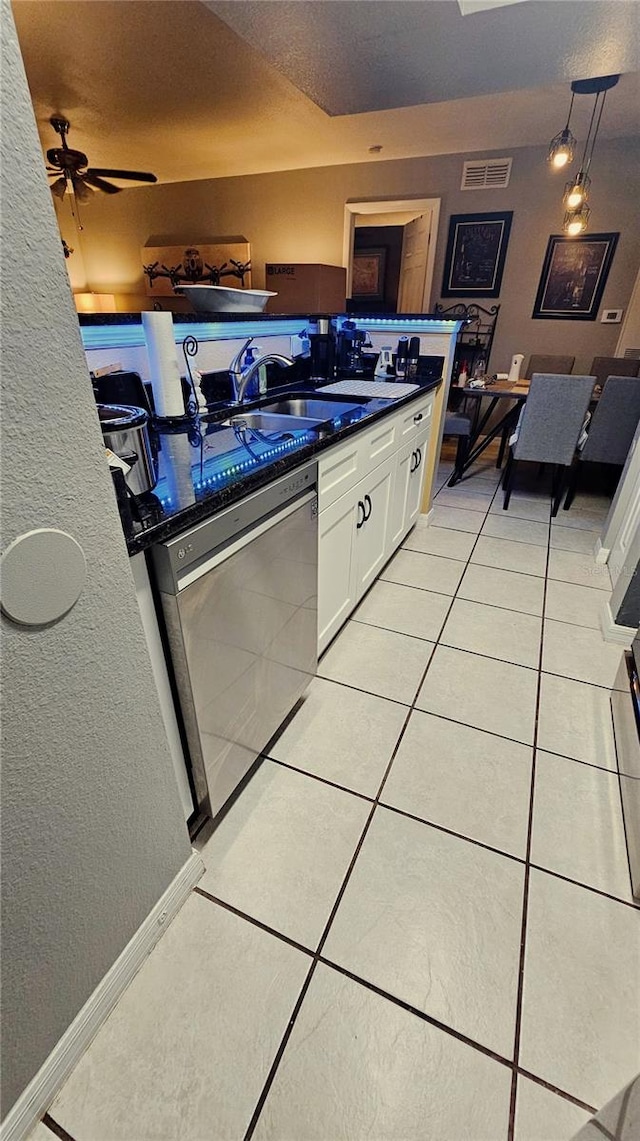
317 408
271 422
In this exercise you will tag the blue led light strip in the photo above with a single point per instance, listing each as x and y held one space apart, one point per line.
132 336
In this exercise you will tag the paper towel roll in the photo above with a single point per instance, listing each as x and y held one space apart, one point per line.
163 364
516 365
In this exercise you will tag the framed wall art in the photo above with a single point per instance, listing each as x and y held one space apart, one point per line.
368 274
574 274
476 252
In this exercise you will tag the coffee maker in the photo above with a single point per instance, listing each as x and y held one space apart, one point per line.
323 351
349 351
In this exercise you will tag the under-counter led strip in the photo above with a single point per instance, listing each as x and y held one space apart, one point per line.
243 466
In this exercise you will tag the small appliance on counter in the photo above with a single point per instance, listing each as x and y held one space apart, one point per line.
349 354
125 431
323 351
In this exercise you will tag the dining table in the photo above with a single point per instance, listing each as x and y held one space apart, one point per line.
497 391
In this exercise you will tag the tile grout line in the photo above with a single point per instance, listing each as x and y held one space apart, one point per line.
527 869
55 1127
287 1034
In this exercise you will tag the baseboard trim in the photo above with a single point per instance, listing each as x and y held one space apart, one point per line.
601 553
36 1099
429 514
612 632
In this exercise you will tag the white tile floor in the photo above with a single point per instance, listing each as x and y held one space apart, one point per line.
415 922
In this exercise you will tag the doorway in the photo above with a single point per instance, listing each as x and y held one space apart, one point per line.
394 243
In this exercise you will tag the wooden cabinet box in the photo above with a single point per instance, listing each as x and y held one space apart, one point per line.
306 288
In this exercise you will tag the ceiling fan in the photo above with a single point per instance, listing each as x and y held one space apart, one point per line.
72 172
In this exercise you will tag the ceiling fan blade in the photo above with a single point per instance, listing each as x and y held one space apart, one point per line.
135 175
92 178
58 187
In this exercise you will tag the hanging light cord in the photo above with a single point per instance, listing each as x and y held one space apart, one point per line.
570 110
586 163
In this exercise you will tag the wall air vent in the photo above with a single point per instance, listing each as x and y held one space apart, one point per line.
486 174
632 354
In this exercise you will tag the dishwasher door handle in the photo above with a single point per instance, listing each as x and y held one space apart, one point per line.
254 531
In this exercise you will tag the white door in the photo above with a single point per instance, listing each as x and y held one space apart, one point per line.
413 267
336 566
371 534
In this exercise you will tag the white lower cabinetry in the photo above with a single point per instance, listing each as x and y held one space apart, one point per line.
380 500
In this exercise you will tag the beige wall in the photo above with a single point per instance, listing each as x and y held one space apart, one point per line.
299 216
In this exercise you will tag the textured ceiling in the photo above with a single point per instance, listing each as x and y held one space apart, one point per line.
167 86
370 55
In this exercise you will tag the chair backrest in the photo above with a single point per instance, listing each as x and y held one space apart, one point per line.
602 367
553 416
614 421
540 363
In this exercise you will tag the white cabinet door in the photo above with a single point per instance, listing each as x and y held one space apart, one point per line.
336 566
373 519
417 468
398 527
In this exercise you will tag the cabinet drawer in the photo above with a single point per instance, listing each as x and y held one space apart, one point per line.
338 472
416 418
378 444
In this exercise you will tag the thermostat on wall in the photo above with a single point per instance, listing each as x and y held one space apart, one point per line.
611 316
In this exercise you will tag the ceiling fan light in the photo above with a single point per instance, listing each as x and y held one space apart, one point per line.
82 191
561 149
58 187
577 191
576 221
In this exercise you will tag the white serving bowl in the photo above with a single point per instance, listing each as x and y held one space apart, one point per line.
221 299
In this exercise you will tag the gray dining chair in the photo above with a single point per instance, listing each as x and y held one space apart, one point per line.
549 428
611 430
558 364
603 367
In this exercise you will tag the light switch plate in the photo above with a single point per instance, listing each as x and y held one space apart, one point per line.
611 316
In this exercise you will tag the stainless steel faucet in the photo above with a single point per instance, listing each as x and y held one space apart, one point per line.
241 380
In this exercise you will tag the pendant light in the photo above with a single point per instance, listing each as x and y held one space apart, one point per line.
576 191
563 144
576 221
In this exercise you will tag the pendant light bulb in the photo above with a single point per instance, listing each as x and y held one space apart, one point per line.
576 221
562 146
576 192
561 149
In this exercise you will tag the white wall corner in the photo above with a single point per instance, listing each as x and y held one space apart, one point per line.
36 1099
611 631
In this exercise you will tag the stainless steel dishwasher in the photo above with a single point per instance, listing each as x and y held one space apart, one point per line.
239 596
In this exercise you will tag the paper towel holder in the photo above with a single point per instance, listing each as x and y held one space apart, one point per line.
190 416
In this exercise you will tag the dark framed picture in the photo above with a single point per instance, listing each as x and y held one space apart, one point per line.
476 252
368 274
573 277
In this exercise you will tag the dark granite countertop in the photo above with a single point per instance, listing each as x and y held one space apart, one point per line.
207 467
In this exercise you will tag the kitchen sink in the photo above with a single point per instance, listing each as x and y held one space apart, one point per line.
317 408
268 421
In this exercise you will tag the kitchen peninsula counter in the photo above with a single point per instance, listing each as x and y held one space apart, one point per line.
206 466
